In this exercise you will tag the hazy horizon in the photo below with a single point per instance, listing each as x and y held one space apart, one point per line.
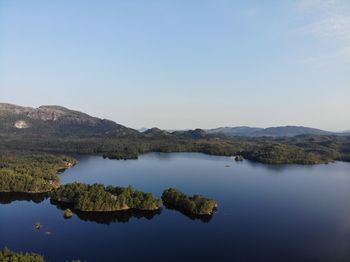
175 129
180 65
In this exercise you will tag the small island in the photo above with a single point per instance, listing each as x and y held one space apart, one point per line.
239 158
37 225
196 205
67 213
98 198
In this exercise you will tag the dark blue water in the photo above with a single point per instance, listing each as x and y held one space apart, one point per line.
266 213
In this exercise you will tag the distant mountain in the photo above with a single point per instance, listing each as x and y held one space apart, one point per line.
281 131
239 130
142 129
56 120
194 134
156 132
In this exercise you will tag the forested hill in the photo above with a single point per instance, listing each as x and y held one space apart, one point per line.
58 129
56 121
279 131
59 121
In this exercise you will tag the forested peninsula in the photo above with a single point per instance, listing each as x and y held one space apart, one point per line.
31 172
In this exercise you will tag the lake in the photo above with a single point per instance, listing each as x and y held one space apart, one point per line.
265 213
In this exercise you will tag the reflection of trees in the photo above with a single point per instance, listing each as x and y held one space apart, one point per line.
9 197
203 218
109 217
98 217
120 216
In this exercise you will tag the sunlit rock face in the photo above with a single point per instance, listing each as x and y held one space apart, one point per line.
21 124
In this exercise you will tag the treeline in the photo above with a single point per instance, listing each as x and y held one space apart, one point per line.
109 217
127 153
288 150
31 172
298 150
98 198
285 154
196 205
7 255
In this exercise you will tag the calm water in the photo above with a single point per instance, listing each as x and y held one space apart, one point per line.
266 213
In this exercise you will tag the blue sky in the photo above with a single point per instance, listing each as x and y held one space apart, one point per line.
181 64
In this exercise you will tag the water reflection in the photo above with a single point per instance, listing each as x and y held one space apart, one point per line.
203 218
109 217
9 197
98 217
116 217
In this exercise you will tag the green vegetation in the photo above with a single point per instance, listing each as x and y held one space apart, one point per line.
285 150
98 198
108 218
36 171
67 213
298 150
6 255
196 205
58 129
127 153
31 172
239 158
37 225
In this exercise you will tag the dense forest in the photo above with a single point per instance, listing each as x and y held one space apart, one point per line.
196 205
98 198
304 149
56 129
31 157
31 165
31 172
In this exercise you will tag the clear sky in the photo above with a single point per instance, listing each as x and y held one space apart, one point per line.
182 63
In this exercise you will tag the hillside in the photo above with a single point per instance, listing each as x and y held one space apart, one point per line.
56 129
239 130
56 121
280 131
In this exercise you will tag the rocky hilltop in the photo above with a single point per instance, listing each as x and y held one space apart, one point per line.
56 120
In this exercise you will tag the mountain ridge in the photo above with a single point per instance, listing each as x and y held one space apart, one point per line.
60 130
277 131
58 120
